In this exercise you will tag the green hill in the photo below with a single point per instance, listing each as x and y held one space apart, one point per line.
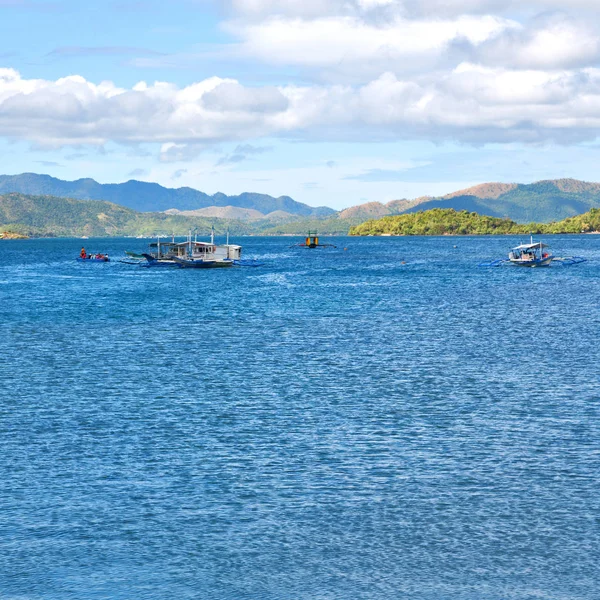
544 201
50 216
64 217
448 221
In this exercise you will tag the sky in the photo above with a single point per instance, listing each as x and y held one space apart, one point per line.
331 102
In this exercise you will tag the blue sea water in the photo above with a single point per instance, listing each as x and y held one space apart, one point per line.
380 420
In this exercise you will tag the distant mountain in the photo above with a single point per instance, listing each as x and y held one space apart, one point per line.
234 212
151 197
221 212
544 201
67 217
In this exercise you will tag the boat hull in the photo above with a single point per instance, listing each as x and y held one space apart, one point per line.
158 262
203 264
98 260
544 262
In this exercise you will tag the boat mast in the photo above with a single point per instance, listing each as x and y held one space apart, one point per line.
212 235
227 242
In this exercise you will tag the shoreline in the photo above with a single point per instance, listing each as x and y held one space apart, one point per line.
19 237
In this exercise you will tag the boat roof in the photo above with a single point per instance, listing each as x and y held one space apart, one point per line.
154 244
531 246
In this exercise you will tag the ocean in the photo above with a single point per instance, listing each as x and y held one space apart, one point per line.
379 420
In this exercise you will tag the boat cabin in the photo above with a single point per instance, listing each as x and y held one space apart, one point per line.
195 250
530 255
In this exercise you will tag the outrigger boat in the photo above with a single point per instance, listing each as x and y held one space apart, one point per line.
312 241
530 255
193 254
534 254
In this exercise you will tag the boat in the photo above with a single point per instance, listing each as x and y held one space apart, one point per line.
534 254
312 241
192 253
94 258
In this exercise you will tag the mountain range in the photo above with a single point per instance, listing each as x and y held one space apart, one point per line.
152 197
67 217
34 201
543 201
22 215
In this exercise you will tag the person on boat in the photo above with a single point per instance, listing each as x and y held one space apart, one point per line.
83 253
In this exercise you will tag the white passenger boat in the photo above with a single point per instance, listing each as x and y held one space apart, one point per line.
193 253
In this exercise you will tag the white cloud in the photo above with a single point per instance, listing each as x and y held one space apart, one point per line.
554 42
360 39
471 103
332 41
230 96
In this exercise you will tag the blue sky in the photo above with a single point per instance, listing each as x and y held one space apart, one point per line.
331 102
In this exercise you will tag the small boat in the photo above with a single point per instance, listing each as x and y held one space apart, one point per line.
534 254
530 255
312 241
93 258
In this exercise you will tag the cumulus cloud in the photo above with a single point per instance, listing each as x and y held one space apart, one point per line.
230 96
343 40
330 41
471 103
549 42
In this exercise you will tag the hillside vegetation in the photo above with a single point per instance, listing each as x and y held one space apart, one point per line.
66 217
544 201
451 222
